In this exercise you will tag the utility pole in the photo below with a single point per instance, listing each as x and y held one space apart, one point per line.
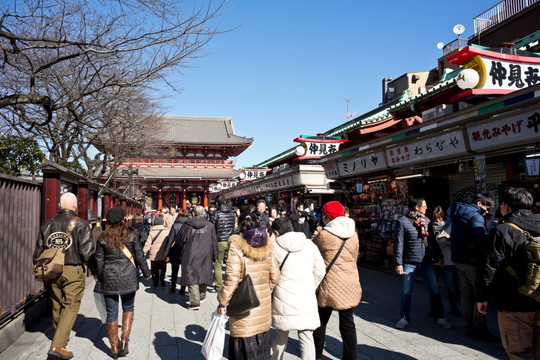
347 101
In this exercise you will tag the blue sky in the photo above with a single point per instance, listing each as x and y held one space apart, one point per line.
291 64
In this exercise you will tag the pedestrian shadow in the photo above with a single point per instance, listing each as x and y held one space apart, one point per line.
380 354
92 329
168 347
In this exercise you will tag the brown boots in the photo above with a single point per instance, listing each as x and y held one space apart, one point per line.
112 331
127 321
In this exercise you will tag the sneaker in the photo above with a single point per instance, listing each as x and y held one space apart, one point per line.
402 323
203 299
194 307
442 322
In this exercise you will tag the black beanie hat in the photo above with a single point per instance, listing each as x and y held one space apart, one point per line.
115 215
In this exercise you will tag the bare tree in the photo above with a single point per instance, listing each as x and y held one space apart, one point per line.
75 71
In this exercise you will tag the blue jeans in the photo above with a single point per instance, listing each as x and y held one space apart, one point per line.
429 275
111 304
407 282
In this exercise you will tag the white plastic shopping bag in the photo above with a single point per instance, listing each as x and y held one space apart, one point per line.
214 341
100 306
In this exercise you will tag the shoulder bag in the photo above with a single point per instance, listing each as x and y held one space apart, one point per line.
50 263
244 297
331 264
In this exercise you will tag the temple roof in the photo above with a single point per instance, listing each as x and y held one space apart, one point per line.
187 173
201 130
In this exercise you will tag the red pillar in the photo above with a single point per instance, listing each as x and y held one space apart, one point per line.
160 199
107 204
50 196
184 200
205 201
82 202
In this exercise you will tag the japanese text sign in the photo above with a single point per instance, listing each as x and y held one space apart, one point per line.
362 164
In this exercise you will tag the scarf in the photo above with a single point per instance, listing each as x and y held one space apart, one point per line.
419 223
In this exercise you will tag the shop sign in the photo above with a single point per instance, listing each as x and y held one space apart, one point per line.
253 173
228 184
445 145
331 170
362 164
314 147
516 129
532 166
499 71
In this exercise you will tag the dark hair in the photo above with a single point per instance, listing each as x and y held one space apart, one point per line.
298 204
438 212
485 200
115 235
517 198
282 225
183 213
246 221
261 201
220 200
415 201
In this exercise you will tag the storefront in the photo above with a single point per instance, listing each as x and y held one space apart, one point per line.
479 149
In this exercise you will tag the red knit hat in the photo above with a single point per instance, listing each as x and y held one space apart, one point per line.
333 209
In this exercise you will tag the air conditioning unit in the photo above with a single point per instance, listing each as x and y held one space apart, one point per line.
436 112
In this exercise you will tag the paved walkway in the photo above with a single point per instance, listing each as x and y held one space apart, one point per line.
165 329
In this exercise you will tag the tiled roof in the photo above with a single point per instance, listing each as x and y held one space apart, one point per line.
192 129
183 173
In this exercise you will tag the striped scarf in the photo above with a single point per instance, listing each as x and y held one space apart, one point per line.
419 222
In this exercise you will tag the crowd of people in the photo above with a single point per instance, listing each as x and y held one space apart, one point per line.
303 266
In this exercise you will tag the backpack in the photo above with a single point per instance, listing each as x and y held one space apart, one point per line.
530 286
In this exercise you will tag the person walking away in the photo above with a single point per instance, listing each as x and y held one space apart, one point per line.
167 218
301 220
340 289
172 249
142 229
468 237
118 253
67 231
155 246
442 229
199 250
505 252
224 221
260 212
250 252
294 304
409 251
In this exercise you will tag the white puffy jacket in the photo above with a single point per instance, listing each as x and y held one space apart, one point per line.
294 305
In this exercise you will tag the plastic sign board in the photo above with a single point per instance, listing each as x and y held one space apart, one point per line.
314 147
362 164
532 166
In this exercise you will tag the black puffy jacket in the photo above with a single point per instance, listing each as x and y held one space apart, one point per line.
53 233
116 274
223 219
504 246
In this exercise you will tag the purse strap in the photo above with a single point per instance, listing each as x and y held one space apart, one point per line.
283 263
154 239
126 252
335 257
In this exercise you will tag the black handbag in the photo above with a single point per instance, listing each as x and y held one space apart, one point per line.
244 297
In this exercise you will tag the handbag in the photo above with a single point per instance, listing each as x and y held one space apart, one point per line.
390 248
50 264
214 341
99 299
244 297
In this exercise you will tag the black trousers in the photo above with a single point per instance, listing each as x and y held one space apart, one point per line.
346 329
158 269
174 274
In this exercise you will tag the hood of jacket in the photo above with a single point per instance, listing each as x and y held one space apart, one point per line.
259 253
224 208
463 212
342 227
525 219
197 222
180 219
292 241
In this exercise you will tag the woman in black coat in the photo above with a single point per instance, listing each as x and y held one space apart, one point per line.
118 253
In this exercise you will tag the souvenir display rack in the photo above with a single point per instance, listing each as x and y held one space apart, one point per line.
376 207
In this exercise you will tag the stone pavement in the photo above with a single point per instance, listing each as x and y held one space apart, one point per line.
165 329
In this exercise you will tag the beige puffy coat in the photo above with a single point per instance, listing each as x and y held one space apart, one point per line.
341 288
157 246
263 268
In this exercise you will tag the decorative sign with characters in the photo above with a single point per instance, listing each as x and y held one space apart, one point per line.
532 166
510 130
496 70
362 164
253 173
313 147
448 144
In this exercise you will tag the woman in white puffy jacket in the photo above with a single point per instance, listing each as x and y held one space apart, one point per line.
294 305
